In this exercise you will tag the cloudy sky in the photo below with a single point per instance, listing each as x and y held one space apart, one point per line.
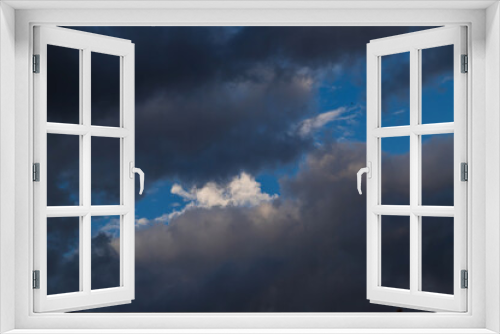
250 139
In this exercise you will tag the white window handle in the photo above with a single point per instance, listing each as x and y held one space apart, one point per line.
141 175
368 171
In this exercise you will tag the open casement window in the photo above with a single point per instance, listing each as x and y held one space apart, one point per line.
72 140
396 64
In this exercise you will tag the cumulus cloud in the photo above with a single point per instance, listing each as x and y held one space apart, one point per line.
243 190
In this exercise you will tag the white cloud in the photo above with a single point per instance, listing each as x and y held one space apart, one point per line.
164 218
313 124
178 190
141 222
243 190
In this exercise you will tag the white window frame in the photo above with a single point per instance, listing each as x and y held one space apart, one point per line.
414 43
482 19
84 44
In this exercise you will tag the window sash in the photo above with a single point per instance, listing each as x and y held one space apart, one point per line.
87 43
413 43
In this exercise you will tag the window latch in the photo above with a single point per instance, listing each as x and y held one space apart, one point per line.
139 171
368 171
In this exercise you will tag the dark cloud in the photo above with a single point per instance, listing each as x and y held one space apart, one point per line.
182 58
63 255
214 133
395 250
63 164
105 171
437 254
105 260
63 85
395 191
305 252
269 258
105 89
438 170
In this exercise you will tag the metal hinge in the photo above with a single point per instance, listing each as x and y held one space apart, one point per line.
36 172
464 171
36 279
465 279
465 64
36 63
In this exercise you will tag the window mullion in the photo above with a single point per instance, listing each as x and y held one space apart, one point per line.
414 171
80 186
85 166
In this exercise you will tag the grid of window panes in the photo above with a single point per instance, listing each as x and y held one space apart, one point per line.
84 172
431 183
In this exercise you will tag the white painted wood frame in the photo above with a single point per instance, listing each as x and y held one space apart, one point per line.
414 43
86 43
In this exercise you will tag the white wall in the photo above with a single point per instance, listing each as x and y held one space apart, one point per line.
7 165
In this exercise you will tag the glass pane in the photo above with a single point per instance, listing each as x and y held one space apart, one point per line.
105 171
437 254
396 251
437 169
63 85
437 84
63 259
105 258
395 96
395 171
63 170
105 89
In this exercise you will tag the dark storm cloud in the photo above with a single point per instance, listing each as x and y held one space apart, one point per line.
277 257
63 163
63 266
62 255
63 85
212 101
105 262
305 252
436 172
105 171
182 58
215 133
